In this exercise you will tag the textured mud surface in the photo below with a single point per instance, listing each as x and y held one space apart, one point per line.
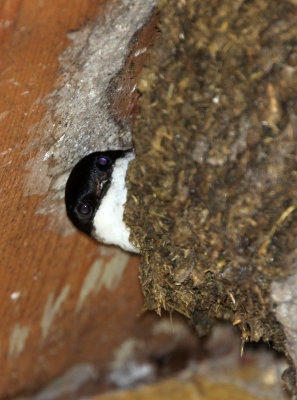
212 193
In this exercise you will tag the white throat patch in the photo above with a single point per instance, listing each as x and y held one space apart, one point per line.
109 226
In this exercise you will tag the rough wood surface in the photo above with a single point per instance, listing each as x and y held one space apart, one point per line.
62 297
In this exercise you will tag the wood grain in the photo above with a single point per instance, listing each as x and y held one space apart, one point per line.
42 273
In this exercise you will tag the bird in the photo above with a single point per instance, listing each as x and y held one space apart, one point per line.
95 195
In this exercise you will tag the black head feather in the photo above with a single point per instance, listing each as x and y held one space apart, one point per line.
88 182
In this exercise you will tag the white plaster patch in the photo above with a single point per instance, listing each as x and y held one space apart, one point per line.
113 271
133 373
15 295
37 180
126 351
90 282
17 340
51 309
99 275
125 369
69 382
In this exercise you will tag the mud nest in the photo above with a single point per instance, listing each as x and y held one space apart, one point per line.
212 194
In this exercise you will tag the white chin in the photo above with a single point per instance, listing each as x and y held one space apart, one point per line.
109 226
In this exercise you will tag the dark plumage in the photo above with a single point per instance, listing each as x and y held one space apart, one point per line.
87 185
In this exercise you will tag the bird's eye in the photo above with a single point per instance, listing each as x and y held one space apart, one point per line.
102 161
84 209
